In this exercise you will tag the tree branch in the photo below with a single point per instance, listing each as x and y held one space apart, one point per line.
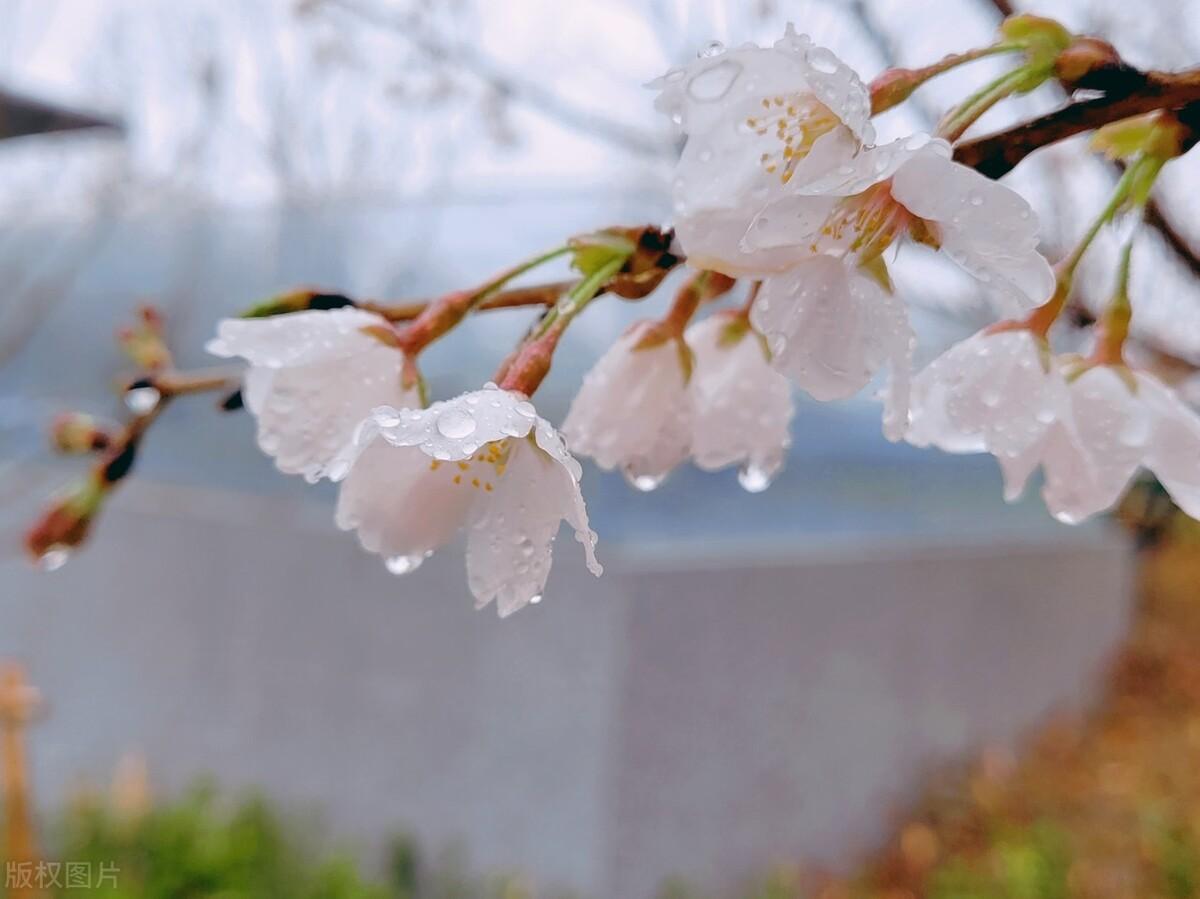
1127 92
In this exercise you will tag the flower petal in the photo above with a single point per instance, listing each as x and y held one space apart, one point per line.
511 534
1173 446
989 393
631 410
1092 454
400 503
298 338
742 406
829 328
986 228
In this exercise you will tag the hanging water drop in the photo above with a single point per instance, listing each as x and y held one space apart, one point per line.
142 400
54 558
754 478
404 564
644 482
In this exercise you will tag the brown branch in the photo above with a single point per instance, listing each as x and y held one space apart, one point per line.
1127 92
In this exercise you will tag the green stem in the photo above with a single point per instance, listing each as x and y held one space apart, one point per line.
958 120
894 86
579 296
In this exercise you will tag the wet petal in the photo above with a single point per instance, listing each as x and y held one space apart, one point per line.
511 535
742 406
1093 453
631 410
1173 447
298 338
829 328
985 227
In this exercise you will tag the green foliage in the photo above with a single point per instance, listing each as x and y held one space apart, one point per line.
199 846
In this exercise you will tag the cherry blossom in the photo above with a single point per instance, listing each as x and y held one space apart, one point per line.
1090 427
759 122
1116 421
632 411
831 328
412 478
741 406
313 377
999 391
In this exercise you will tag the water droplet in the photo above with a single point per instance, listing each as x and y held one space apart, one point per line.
823 60
536 598
54 558
975 198
404 564
714 82
754 478
644 482
455 424
525 408
387 418
711 49
142 400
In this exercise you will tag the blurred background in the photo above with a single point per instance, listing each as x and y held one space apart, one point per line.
760 683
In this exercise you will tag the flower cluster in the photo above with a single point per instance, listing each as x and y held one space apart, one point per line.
782 185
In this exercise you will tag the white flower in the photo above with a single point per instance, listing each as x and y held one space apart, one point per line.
741 406
1116 421
485 459
831 328
1090 432
997 392
632 410
759 122
313 377
911 188
651 401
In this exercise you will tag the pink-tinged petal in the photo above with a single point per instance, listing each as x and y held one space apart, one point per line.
742 406
298 338
1173 445
829 328
511 535
1093 453
631 411
989 393
401 503
874 164
986 228
310 412
1018 468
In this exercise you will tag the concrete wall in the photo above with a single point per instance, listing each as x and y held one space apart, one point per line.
702 709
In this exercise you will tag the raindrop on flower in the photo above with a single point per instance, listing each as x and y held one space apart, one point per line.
54 558
455 424
823 60
387 418
141 400
711 49
535 599
644 482
404 564
754 478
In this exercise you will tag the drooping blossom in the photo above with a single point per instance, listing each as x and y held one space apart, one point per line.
313 377
998 391
741 406
759 121
831 328
412 478
632 411
1116 421
1090 427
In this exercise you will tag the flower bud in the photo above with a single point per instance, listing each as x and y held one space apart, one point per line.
143 343
65 525
76 433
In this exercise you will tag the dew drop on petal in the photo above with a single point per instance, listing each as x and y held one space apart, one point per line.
823 60
644 482
54 558
714 83
455 424
754 478
711 49
525 408
535 599
387 418
141 400
404 564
